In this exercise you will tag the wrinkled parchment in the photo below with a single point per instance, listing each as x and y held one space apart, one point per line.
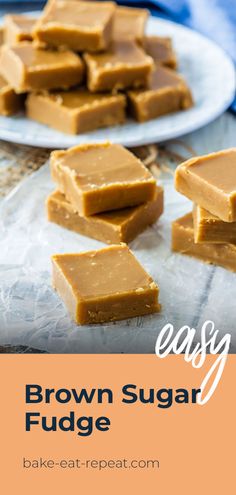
31 313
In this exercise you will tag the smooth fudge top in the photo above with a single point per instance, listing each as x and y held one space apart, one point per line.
98 165
77 98
129 23
86 16
217 169
160 49
36 58
112 270
121 53
210 181
163 78
22 23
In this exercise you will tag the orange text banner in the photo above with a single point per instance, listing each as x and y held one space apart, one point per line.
112 439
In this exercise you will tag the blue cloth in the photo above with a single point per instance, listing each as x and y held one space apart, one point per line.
213 18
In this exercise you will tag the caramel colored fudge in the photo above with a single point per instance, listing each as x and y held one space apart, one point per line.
161 50
112 227
76 111
124 65
167 93
210 182
28 68
80 26
104 285
215 254
101 177
18 28
10 102
209 228
1 35
129 23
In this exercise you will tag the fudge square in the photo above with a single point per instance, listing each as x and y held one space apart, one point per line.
209 228
1 35
124 65
104 285
161 50
101 177
76 111
10 102
210 182
18 28
77 25
112 227
167 93
129 23
216 254
28 68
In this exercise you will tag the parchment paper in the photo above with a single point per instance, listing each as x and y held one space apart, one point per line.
31 313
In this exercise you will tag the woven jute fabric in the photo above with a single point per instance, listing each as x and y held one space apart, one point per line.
17 162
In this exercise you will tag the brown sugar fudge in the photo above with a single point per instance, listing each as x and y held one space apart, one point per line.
1 35
129 23
28 68
161 50
112 227
104 285
124 65
210 182
209 228
77 25
76 111
167 93
216 254
18 28
101 177
10 102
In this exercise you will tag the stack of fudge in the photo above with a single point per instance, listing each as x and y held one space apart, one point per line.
209 231
104 192
83 65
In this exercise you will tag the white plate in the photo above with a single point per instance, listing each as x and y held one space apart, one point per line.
207 69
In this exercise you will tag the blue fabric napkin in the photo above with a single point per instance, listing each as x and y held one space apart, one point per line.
213 18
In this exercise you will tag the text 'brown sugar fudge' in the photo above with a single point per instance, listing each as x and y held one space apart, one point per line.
104 285
101 177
